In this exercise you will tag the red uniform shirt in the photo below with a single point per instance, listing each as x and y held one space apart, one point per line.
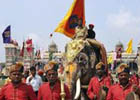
46 93
95 84
117 92
21 92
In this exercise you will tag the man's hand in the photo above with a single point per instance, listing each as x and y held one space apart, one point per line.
136 89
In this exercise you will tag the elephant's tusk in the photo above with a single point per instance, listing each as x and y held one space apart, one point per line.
78 89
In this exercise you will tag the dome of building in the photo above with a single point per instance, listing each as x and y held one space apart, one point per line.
52 47
118 46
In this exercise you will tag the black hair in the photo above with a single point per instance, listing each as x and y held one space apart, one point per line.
32 68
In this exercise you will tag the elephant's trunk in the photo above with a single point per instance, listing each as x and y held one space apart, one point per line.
78 89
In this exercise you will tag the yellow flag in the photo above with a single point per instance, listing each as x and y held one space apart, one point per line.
110 59
129 46
69 22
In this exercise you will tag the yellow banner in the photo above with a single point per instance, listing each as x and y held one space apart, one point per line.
129 46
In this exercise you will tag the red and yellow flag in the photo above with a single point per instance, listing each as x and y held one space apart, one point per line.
69 22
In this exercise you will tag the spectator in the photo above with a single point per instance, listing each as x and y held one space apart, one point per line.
34 80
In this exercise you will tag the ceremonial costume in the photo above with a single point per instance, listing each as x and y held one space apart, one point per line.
96 83
124 87
46 93
21 92
52 89
16 90
117 92
81 33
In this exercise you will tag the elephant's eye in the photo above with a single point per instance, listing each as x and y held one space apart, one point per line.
81 59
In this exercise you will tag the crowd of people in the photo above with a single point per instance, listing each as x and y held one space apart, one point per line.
32 87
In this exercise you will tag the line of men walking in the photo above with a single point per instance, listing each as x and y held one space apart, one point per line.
34 89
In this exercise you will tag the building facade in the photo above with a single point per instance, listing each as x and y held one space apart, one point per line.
52 53
120 56
12 55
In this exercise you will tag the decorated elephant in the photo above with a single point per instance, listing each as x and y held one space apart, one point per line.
85 56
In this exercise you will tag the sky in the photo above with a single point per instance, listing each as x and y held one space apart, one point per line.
114 20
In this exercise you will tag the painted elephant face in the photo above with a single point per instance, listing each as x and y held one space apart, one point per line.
82 59
82 62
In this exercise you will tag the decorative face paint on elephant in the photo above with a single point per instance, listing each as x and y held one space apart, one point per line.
86 60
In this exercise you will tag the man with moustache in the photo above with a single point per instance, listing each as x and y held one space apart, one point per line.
124 87
100 80
51 90
16 89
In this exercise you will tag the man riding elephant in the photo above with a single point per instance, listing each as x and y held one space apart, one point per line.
86 53
80 39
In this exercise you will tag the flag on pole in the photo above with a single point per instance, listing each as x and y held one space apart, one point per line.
29 46
129 46
22 50
69 22
7 35
110 59
38 54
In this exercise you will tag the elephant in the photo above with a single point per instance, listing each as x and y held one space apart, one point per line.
85 61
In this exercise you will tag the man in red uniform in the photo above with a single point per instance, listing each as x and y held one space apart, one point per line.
16 90
52 89
124 87
101 80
